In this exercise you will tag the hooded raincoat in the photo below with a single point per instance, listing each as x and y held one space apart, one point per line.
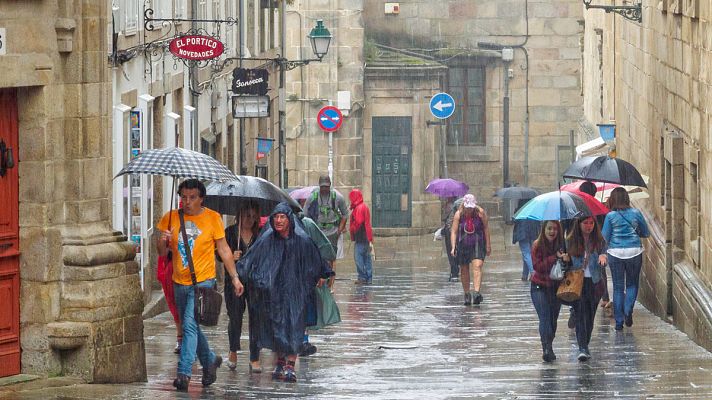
360 225
280 276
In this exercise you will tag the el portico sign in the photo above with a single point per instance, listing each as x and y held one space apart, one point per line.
196 47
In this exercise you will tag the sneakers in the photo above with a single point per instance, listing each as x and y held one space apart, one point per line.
289 374
179 344
181 382
278 373
619 327
307 349
584 355
572 319
476 298
359 282
468 299
629 320
210 374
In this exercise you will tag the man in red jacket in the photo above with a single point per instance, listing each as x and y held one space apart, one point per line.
362 236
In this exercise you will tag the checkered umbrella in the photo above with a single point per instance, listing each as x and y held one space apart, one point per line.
178 163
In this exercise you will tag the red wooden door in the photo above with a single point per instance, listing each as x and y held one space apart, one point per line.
9 242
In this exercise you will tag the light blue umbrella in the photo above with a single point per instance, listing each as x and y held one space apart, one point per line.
554 206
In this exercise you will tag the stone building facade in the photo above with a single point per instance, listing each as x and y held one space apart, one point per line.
71 300
653 80
524 52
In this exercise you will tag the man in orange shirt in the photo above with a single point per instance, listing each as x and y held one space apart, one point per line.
205 232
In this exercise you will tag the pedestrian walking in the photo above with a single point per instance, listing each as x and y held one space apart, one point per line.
239 237
451 206
524 233
362 236
471 239
622 230
328 209
587 250
280 272
205 232
546 250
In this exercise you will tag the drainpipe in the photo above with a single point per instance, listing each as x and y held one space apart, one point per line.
243 34
282 96
193 77
505 126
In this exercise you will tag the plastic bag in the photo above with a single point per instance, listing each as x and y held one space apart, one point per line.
327 312
340 247
438 235
557 271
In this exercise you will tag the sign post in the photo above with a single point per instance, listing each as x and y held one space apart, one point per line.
329 119
442 106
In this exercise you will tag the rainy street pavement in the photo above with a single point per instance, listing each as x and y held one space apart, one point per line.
409 336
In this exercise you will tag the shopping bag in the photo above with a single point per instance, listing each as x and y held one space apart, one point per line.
327 311
571 286
557 271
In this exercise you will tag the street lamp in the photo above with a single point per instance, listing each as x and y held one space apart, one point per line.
320 38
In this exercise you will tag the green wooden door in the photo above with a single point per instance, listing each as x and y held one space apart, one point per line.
392 145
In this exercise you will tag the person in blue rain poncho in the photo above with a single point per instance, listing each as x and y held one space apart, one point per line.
280 271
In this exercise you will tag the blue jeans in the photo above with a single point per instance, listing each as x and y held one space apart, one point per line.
625 273
362 257
194 342
547 307
525 247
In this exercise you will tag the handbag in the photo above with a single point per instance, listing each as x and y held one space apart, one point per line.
327 311
557 271
635 227
571 286
208 301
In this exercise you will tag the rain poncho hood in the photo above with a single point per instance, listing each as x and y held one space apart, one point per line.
360 225
280 276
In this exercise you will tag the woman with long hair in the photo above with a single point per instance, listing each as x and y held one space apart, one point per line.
546 250
587 250
470 240
622 230
240 237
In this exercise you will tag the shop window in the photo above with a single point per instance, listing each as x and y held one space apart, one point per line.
467 124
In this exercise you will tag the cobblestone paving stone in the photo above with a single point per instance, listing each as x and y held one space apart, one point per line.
408 336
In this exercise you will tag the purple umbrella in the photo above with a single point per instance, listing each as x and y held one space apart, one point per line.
302 193
446 187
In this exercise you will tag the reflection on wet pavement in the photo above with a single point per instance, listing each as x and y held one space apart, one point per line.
409 336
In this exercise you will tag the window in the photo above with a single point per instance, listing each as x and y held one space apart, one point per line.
130 16
179 10
467 124
203 12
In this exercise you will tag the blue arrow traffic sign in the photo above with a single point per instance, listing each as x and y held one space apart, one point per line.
442 105
329 118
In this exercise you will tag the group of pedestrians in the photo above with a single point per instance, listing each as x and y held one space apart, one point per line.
588 247
270 271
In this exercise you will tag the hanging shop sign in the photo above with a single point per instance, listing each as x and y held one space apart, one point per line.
196 47
250 81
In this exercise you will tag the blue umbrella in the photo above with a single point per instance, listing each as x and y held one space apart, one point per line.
554 206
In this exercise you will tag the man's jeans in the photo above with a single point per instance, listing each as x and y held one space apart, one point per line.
625 273
547 307
194 342
362 257
525 247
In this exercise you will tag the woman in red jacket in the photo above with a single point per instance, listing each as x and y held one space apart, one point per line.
545 251
362 236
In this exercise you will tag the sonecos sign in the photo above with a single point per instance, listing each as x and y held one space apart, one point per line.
196 47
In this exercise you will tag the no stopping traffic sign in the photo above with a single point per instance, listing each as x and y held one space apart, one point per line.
329 118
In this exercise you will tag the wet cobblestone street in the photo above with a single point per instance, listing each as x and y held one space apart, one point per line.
408 336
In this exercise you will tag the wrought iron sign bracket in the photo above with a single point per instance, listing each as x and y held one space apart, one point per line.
632 13
149 20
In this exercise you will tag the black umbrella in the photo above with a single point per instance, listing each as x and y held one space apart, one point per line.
225 197
605 169
516 193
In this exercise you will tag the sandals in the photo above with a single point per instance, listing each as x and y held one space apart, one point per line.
255 369
232 364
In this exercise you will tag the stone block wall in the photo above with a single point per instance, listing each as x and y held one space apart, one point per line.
80 299
662 78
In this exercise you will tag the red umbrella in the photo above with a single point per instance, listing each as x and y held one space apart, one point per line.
597 208
575 186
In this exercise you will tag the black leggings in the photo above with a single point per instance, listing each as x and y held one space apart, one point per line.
235 311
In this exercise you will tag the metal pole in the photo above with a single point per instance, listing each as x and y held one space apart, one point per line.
282 94
443 141
505 125
193 77
243 27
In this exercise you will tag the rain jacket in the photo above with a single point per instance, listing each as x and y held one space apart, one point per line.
280 276
360 225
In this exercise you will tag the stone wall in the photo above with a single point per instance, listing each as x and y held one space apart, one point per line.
660 105
80 300
548 80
